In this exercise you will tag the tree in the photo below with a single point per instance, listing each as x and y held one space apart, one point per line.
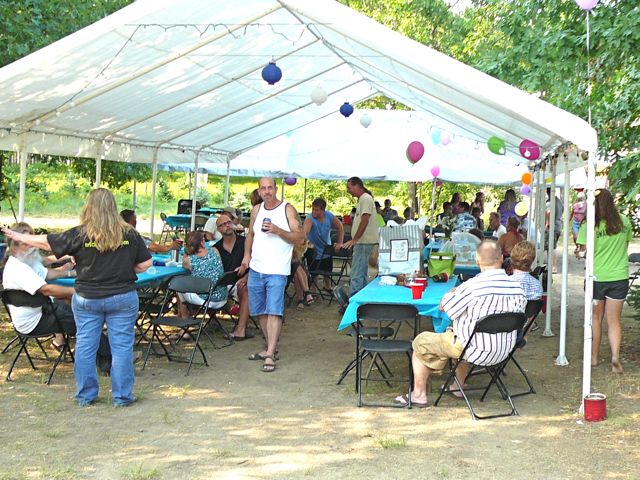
29 25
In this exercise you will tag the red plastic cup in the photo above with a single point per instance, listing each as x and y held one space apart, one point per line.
422 281
416 291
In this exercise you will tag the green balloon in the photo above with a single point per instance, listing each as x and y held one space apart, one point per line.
496 145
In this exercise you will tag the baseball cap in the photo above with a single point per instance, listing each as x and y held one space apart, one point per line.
231 211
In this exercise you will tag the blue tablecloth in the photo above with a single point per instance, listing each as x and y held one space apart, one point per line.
183 220
427 305
152 276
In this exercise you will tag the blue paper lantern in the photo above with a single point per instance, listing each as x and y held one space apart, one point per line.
271 73
346 109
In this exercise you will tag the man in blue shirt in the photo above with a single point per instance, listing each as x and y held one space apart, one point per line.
317 229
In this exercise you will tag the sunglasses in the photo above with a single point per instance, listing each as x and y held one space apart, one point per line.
224 224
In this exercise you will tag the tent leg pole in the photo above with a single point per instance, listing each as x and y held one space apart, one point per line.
304 198
227 182
154 182
195 192
22 159
562 360
550 250
588 277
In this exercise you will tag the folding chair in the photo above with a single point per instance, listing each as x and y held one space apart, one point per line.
379 314
342 297
531 311
20 298
194 325
167 230
314 267
497 324
635 259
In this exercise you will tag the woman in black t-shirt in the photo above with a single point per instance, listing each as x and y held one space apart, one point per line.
108 253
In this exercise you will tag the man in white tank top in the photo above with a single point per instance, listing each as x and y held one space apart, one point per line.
273 230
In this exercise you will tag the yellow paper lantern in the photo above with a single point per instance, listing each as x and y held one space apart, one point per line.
522 208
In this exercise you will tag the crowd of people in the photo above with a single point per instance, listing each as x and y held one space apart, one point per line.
275 249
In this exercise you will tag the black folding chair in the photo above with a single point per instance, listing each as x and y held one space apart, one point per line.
634 258
193 325
532 310
500 325
314 267
342 298
20 298
382 315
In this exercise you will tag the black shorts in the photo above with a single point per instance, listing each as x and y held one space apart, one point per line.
616 290
317 267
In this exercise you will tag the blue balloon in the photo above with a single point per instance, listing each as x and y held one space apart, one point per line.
435 136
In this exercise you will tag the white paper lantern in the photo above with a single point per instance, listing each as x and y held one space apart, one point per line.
365 120
318 95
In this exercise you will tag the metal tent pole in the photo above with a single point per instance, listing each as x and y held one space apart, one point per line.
22 159
550 250
562 360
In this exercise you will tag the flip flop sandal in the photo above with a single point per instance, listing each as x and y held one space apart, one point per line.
260 356
403 400
301 304
269 367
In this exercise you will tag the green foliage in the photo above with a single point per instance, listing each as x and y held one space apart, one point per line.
114 174
202 196
163 191
29 25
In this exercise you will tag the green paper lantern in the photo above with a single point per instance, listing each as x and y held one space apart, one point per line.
496 145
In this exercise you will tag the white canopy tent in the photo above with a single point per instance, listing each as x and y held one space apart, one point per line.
178 81
338 148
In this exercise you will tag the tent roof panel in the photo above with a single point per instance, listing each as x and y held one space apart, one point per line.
186 75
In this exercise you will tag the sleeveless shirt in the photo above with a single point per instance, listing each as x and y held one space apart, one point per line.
270 254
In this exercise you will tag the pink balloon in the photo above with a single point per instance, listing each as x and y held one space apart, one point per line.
435 171
525 190
529 149
445 138
415 151
587 4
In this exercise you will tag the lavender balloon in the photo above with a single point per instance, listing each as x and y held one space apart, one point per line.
587 4
290 180
525 190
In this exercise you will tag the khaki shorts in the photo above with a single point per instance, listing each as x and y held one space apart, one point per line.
435 349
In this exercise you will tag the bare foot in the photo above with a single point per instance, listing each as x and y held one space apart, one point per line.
594 362
616 366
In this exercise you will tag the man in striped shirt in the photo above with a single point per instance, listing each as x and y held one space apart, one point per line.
489 292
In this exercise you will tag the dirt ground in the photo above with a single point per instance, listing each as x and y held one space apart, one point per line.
230 420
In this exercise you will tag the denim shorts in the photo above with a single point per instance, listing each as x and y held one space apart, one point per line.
266 293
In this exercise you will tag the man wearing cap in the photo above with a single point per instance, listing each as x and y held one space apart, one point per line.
231 250
273 230
236 216
130 217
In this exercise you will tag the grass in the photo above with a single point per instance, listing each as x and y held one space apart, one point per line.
389 443
140 473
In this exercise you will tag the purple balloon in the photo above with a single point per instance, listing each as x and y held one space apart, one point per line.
290 180
525 190
587 4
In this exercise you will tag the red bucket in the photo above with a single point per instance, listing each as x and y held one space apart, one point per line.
595 407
